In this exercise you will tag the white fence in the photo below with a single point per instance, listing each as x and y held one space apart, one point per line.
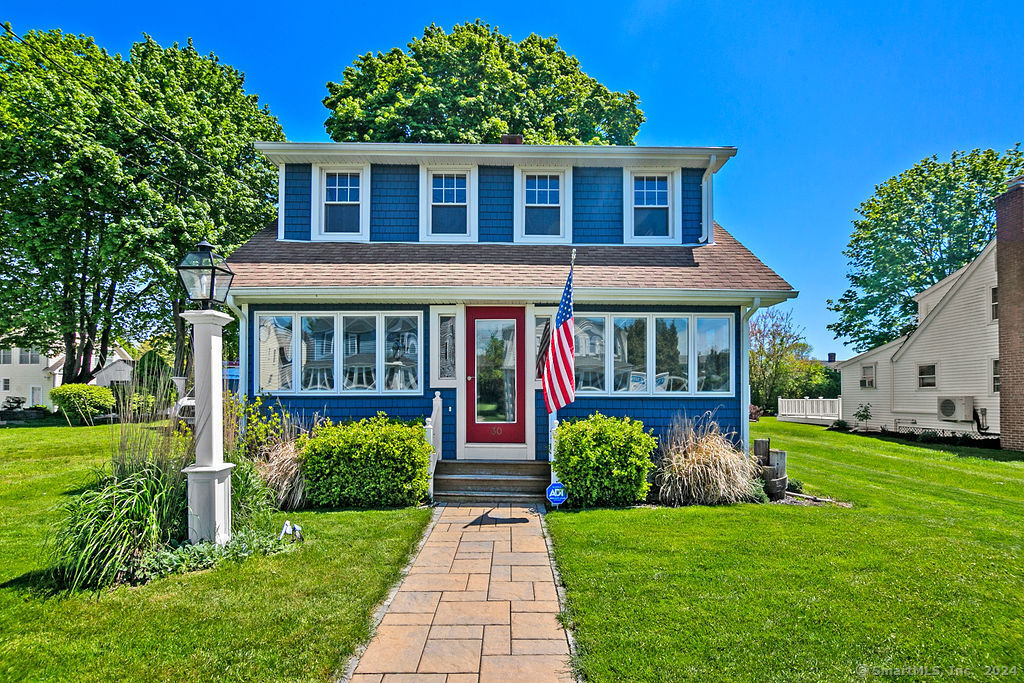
822 411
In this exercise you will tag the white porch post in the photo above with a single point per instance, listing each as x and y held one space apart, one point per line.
209 479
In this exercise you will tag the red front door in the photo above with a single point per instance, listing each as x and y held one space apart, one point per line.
496 374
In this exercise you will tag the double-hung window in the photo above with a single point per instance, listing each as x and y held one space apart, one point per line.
5 356
377 353
28 357
343 197
651 207
994 303
995 375
926 376
448 205
867 377
5 384
543 211
650 353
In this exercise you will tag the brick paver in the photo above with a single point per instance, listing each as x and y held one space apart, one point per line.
479 604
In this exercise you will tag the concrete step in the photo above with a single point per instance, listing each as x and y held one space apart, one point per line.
520 483
486 497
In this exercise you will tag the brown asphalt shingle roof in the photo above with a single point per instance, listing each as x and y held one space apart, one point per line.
727 264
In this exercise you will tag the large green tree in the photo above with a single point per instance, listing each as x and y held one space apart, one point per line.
919 227
472 86
110 169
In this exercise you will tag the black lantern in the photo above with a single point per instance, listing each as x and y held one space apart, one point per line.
205 274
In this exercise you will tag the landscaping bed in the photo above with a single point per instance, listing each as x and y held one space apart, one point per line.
296 616
923 570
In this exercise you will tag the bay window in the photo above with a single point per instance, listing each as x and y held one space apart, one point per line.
377 352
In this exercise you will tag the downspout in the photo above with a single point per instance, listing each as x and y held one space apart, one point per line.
745 372
243 347
707 235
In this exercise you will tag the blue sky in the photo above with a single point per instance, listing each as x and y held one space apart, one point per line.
823 101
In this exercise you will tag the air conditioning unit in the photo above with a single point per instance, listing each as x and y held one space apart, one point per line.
956 408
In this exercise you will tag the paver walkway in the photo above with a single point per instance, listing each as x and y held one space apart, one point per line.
478 604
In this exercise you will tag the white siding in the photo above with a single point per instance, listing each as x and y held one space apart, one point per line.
23 377
958 337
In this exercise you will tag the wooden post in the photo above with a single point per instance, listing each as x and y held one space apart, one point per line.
761 448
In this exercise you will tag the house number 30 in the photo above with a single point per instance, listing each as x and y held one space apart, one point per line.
495 431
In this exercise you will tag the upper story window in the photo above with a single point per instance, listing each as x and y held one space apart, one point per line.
343 200
867 377
926 376
28 357
448 205
5 356
651 207
543 209
995 303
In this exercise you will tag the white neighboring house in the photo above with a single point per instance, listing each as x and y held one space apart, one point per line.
30 375
945 374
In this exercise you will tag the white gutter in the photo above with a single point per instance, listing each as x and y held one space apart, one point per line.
706 202
448 294
745 372
242 312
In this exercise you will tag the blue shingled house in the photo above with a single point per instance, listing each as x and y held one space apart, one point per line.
417 279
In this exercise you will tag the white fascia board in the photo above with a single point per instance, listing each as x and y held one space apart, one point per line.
865 355
710 297
506 155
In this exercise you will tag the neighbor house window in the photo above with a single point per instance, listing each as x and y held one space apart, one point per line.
995 376
542 212
344 204
317 358
589 341
651 213
275 353
377 352
5 384
867 377
995 303
671 354
28 357
649 353
926 376
713 350
5 356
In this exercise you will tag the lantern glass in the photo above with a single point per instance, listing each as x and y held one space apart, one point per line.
205 275
197 283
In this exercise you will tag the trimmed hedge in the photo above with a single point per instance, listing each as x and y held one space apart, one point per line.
603 461
83 401
375 462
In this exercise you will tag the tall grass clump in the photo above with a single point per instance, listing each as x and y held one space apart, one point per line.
700 465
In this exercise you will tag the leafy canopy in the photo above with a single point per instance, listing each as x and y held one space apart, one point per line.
473 85
918 228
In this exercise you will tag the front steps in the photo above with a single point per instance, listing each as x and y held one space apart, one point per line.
491 481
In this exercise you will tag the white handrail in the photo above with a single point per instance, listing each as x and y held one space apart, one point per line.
434 434
819 408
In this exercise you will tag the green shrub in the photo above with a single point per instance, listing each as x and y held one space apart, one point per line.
169 559
840 426
757 493
701 466
82 401
603 460
375 462
795 486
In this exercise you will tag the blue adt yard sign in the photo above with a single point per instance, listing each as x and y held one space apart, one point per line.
556 494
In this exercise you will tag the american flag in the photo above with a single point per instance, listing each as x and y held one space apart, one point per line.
559 378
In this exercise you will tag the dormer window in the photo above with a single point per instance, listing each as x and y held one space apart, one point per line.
448 205
544 205
343 197
651 207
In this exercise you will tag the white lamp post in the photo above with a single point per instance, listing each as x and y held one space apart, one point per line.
207 278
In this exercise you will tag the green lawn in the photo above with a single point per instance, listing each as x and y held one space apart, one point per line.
926 569
293 616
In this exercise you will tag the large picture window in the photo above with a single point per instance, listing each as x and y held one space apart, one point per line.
376 352
650 353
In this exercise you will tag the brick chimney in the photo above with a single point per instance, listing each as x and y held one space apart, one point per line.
1010 280
832 357
511 139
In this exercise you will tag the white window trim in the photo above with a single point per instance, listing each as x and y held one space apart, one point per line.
471 204
874 376
691 391
991 303
338 390
317 204
917 376
675 203
435 345
519 205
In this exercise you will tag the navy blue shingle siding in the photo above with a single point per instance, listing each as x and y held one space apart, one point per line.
597 205
691 206
298 185
495 203
394 203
